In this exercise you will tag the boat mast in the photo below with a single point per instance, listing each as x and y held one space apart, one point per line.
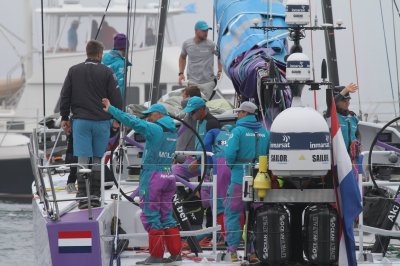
43 68
330 43
155 90
28 38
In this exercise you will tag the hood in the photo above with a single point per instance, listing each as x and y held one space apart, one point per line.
112 57
249 121
167 122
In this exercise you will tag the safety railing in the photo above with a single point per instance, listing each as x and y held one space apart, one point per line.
41 168
50 200
213 184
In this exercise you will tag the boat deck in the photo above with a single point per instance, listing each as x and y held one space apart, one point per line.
130 222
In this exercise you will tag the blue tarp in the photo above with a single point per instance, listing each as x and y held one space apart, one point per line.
235 35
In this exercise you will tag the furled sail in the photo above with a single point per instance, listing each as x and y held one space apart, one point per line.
252 57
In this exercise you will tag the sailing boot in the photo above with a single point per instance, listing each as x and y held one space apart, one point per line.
81 181
95 191
156 248
83 203
173 242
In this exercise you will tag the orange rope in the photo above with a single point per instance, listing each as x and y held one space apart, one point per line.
355 58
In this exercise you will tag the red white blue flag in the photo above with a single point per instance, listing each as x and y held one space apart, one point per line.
347 192
75 241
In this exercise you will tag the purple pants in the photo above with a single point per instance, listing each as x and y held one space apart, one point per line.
156 194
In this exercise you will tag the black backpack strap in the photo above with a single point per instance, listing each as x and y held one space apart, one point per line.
255 159
165 129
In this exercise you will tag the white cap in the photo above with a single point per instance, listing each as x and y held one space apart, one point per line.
247 107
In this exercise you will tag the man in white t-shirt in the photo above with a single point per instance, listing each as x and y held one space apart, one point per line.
200 63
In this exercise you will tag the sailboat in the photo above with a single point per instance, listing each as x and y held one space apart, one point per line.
13 151
65 235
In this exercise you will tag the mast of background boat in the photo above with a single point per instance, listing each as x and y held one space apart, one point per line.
102 20
330 43
28 38
43 76
44 85
155 91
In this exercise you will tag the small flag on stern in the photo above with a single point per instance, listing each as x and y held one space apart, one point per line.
75 241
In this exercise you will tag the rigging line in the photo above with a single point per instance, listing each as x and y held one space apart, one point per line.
122 131
43 68
128 37
270 23
395 52
12 33
132 42
102 20
355 57
312 55
10 43
387 55
397 8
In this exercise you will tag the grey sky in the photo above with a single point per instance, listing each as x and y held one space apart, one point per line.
374 81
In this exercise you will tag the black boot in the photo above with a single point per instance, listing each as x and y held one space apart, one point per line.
83 203
95 191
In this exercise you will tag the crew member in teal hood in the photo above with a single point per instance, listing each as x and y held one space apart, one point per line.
115 59
348 121
248 141
157 185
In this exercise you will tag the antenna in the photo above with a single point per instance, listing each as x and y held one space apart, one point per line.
324 71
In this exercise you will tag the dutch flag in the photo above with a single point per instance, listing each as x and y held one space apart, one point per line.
347 192
75 241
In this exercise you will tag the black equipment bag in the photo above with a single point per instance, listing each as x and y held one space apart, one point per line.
272 234
381 211
321 234
184 223
193 207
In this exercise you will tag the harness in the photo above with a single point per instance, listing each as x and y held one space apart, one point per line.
165 129
116 55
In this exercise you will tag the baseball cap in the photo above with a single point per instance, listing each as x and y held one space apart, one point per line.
156 108
202 25
336 92
194 103
247 107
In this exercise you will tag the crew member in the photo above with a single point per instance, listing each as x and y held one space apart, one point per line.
200 52
84 87
247 142
115 59
157 186
348 121
218 140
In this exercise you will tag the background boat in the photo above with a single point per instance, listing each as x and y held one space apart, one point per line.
37 100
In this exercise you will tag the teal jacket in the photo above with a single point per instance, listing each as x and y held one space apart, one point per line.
349 127
116 62
160 139
241 146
